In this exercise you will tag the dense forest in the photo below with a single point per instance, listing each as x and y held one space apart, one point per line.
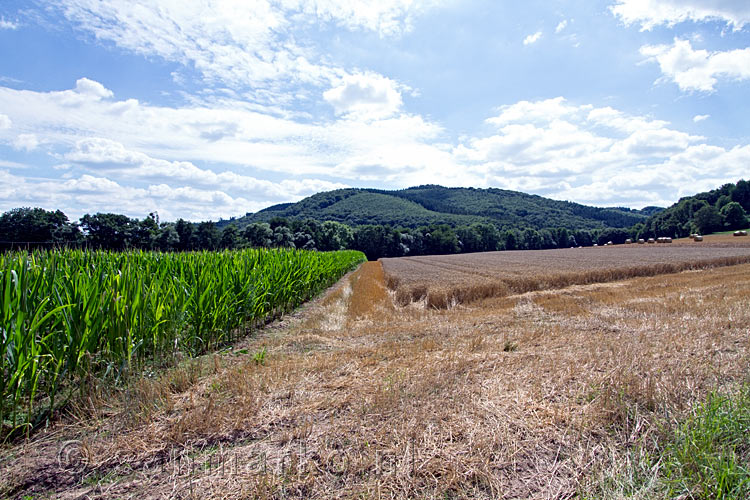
443 232
426 205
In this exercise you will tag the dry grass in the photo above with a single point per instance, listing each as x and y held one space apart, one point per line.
444 281
535 395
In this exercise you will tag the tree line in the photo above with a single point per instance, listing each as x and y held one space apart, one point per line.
721 209
36 227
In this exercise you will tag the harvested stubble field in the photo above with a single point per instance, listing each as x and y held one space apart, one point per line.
549 394
446 280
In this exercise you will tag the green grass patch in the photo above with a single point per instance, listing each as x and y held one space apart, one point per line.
709 455
706 456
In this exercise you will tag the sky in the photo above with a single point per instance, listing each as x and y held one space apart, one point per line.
209 109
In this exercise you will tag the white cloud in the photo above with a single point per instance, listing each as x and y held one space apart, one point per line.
104 156
386 17
533 38
248 46
230 41
656 143
366 95
600 156
561 26
115 179
622 122
13 164
223 132
93 89
652 13
5 122
537 111
90 194
700 118
6 24
28 142
698 70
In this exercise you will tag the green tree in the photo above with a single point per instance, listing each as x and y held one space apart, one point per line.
489 236
186 232
733 216
313 228
722 201
335 236
144 233
378 241
471 240
371 240
562 236
168 239
530 240
304 241
259 234
548 239
109 231
207 236
283 237
707 219
615 235
584 238
230 237
511 242
741 194
36 225
440 240
278 222
406 242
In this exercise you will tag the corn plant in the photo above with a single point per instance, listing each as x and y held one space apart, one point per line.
68 315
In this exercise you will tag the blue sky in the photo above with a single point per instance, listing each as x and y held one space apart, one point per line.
216 108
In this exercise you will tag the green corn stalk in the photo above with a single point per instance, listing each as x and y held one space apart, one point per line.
67 315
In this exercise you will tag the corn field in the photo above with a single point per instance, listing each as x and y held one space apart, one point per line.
70 314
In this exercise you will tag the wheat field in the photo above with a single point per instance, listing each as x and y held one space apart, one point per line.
445 280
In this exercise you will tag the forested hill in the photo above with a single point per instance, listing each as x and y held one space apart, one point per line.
426 205
720 209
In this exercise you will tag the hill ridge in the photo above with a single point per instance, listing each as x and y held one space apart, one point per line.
430 204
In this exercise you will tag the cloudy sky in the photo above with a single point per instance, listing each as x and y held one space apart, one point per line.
204 109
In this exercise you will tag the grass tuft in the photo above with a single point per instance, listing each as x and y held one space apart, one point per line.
710 452
704 457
